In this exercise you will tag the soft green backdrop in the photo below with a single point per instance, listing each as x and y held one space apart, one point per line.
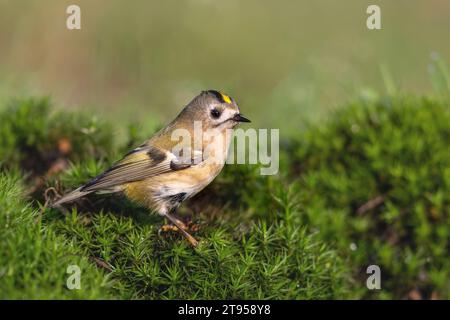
284 61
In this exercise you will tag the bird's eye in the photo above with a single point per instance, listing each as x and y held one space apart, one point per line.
215 113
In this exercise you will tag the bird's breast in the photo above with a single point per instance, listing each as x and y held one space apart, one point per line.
160 192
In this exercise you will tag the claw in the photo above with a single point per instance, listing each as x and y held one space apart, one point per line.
179 226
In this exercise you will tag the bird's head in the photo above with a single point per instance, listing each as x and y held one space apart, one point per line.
214 109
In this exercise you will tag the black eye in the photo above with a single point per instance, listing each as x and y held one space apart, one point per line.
215 113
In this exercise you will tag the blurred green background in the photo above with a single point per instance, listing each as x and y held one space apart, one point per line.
283 61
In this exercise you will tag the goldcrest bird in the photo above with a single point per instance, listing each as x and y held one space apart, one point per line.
163 172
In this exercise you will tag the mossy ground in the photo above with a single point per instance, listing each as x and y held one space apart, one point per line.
371 186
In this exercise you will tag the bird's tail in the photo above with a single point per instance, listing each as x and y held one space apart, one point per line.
74 195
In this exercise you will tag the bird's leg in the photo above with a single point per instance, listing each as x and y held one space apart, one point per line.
172 227
180 223
182 227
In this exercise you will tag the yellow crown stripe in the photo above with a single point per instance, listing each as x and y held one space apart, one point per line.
225 98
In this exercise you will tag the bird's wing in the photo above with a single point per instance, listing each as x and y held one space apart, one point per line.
141 163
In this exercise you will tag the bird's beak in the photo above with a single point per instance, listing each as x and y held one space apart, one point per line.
239 118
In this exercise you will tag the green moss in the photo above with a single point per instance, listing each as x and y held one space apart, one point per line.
240 256
34 258
33 138
394 155
370 186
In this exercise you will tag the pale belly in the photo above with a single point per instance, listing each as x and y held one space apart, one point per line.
167 191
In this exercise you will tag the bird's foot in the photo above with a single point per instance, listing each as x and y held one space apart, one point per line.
173 227
189 226
179 225
168 227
